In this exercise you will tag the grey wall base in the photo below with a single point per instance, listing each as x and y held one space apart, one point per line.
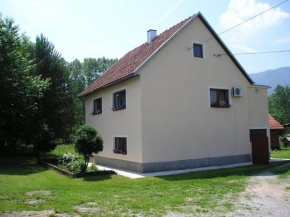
172 165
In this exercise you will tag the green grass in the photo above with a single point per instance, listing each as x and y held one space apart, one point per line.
282 172
60 150
284 153
199 192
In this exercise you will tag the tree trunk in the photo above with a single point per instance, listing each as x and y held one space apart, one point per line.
86 162
36 152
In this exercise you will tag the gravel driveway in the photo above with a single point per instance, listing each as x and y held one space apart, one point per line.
266 195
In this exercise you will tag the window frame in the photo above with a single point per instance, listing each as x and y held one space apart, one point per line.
228 89
123 107
202 45
94 110
114 150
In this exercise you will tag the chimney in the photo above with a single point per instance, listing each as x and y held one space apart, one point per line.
151 35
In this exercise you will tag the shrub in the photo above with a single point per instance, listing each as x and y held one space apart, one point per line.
88 141
93 168
67 158
76 166
72 163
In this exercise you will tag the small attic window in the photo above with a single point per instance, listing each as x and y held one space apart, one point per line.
198 50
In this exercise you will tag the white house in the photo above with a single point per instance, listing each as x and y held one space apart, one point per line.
174 103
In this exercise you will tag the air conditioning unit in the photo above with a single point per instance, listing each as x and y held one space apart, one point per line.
237 92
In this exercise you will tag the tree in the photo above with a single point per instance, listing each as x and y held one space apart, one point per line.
78 81
56 118
20 91
87 142
279 104
82 75
94 68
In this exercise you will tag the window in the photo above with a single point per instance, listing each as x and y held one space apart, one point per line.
119 100
219 98
197 50
97 106
120 146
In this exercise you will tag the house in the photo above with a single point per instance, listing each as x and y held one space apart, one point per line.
286 141
275 128
175 102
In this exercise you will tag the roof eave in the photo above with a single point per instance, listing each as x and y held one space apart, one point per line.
108 85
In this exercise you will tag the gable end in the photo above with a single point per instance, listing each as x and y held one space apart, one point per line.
215 35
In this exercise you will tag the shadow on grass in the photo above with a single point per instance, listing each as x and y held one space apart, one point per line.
97 178
224 173
20 166
283 171
26 166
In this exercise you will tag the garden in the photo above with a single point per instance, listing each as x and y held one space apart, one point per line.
87 141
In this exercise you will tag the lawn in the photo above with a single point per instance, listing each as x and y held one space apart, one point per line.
26 186
284 153
60 150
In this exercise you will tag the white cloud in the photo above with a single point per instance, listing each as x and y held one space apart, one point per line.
243 48
241 10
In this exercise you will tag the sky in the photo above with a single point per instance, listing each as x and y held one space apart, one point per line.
95 28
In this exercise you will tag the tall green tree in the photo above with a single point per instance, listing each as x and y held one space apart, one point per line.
20 91
279 104
94 68
56 117
83 74
78 81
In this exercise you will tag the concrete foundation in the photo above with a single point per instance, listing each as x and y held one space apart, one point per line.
172 165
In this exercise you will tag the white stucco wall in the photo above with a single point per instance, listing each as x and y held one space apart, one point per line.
258 109
125 122
177 121
168 116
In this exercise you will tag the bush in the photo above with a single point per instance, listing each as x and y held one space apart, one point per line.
93 168
72 163
67 158
76 166
88 141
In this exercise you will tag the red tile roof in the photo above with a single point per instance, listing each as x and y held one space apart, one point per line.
274 125
132 60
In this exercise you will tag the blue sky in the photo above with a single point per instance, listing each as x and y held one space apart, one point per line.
111 28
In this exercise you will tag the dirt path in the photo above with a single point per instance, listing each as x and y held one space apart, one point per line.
266 195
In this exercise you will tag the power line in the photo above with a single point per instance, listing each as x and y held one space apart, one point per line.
244 21
248 19
262 52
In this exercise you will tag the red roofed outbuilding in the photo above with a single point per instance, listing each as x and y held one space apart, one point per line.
275 128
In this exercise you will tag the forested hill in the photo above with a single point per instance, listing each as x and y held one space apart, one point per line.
272 78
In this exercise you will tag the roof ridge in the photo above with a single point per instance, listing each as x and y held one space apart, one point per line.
177 24
131 60
158 35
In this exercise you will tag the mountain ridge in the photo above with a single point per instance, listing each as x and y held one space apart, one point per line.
272 78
